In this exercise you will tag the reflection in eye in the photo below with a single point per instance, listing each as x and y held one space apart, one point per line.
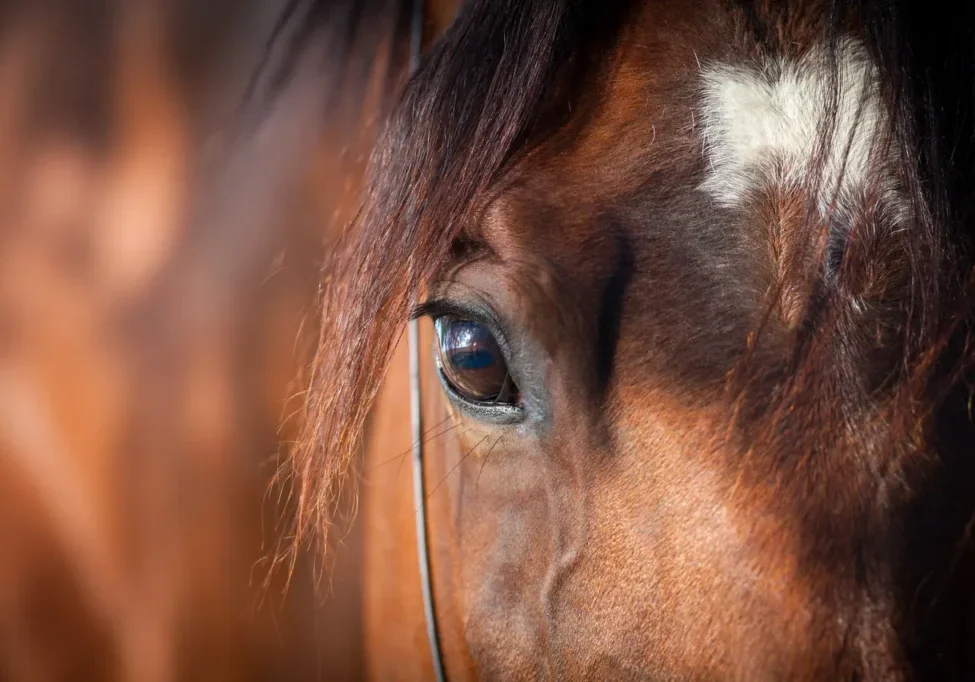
472 362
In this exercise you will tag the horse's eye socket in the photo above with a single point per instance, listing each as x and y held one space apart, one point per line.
472 361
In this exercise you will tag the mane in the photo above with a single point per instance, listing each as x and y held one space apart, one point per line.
475 105
464 115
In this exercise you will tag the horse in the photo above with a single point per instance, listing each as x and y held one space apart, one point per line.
692 285
163 225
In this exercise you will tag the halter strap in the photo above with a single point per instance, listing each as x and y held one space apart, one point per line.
416 423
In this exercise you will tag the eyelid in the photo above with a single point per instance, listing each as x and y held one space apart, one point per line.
496 413
500 414
438 307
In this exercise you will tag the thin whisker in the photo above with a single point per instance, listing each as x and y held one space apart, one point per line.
402 456
425 440
452 469
402 460
481 469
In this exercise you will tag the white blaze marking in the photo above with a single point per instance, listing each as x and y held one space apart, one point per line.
763 126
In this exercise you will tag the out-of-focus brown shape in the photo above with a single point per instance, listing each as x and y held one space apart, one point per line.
160 249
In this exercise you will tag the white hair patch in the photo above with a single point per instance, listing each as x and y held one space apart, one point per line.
763 126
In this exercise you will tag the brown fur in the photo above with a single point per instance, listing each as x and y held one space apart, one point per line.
160 249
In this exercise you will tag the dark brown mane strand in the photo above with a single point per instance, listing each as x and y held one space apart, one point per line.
464 115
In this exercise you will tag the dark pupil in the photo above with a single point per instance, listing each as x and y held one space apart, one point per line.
471 359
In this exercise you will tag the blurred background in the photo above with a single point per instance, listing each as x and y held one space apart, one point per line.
168 185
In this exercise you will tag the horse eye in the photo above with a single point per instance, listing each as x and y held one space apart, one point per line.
472 362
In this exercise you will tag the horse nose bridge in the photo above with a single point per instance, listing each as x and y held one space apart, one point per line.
568 495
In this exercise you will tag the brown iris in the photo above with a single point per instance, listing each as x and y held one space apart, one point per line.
472 362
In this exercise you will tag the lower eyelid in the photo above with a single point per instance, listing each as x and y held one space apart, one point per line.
499 414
